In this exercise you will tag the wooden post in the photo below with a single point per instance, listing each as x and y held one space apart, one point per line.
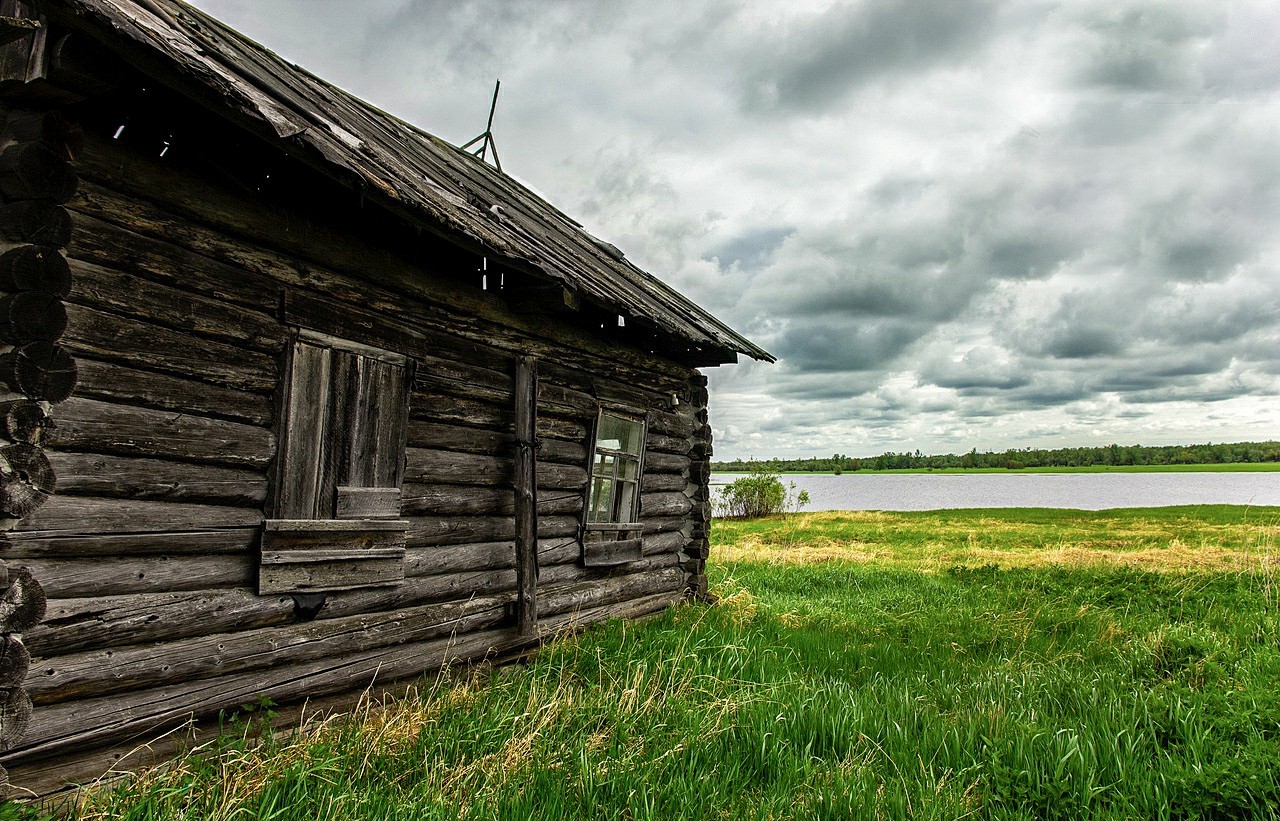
526 415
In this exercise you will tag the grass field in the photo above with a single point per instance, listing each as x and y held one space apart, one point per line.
972 664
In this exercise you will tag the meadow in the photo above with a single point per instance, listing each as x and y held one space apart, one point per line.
952 664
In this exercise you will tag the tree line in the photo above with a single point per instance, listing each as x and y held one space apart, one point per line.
1015 459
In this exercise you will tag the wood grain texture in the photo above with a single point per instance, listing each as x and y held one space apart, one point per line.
134 343
125 477
91 425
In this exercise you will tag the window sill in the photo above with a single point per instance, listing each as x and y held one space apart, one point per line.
326 555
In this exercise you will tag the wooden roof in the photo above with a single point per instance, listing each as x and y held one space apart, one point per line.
418 176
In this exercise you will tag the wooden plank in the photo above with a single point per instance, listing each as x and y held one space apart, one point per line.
89 515
465 500
314 571
661 443
117 383
436 436
82 624
91 722
134 343
116 576
303 426
661 505
607 554
163 258
101 672
90 425
91 474
669 542
425 466
199 542
666 463
390 430
426 531
658 482
96 622
210 204
368 503
107 288
526 495
465 558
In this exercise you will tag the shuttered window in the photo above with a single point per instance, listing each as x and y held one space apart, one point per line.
336 499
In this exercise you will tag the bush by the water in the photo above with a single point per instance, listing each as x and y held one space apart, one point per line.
757 495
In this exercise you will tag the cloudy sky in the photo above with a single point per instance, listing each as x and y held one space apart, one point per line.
957 223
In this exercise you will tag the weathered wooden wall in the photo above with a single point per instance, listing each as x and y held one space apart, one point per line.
185 292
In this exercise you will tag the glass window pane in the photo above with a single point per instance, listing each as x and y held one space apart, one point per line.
624 500
621 434
629 469
601 500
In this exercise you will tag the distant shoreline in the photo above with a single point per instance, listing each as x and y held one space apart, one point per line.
1227 467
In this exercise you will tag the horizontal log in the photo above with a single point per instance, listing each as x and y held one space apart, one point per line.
111 170
88 515
428 531
107 288
679 425
162 259
72 625
658 482
201 542
459 500
436 436
425 466
92 722
660 443
671 541
118 576
91 425
99 622
135 343
666 463
99 672
664 505
130 386
466 558
123 477
447 586
655 526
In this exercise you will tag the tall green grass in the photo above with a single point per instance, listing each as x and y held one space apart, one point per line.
833 688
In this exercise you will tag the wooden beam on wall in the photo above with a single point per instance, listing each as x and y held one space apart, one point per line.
526 418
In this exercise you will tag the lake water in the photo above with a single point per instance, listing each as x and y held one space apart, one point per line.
1083 491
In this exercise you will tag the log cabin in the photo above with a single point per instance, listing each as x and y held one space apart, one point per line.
298 398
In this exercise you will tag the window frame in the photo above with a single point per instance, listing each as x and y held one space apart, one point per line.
614 541
334 520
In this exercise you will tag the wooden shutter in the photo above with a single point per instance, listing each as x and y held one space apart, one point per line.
341 460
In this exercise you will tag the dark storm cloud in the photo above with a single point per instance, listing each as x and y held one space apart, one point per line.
823 346
815 62
752 249
1145 46
956 223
